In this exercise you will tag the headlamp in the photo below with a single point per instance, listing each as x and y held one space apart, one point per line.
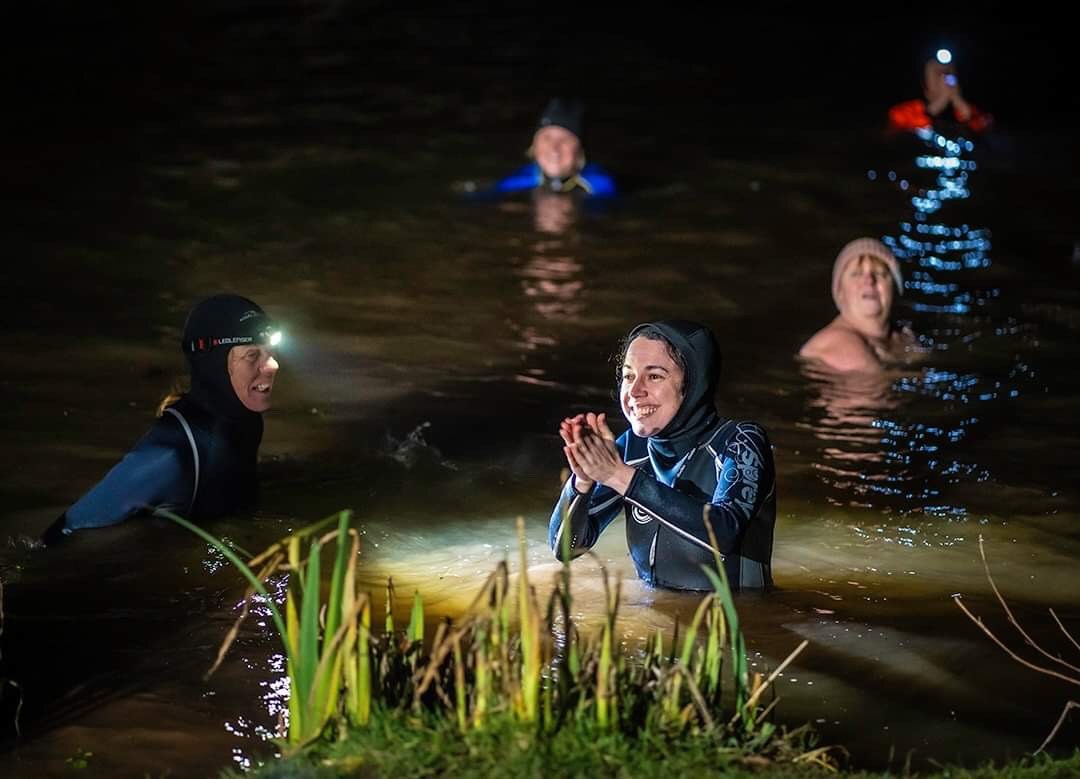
261 333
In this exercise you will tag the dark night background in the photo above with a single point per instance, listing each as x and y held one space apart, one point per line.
98 86
101 93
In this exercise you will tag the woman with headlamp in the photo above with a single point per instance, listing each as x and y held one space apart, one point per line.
199 458
942 106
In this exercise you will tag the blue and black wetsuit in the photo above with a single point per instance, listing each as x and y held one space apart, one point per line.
199 458
592 180
730 473
190 461
698 466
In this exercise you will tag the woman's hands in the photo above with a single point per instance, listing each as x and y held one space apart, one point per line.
589 446
571 430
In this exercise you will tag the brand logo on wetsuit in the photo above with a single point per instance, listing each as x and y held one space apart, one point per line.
640 515
748 463
742 472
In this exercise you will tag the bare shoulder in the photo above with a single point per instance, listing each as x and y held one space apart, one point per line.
841 348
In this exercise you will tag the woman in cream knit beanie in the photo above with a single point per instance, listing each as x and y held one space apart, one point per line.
865 279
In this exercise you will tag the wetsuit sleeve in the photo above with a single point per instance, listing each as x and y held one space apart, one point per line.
148 476
746 478
527 177
584 516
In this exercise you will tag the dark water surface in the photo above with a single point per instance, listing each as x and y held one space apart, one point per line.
313 158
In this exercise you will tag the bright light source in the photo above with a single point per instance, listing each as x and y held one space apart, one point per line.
944 56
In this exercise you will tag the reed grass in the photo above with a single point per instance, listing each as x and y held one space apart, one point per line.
316 654
505 660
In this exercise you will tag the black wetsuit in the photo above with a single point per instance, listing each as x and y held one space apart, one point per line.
731 472
698 462
198 459
191 461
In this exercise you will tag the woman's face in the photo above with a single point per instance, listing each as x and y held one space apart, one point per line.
557 151
652 387
251 372
866 288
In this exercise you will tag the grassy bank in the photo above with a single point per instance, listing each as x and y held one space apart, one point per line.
394 748
513 688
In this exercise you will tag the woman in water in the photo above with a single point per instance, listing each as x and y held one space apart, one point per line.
942 105
862 337
558 157
679 465
199 457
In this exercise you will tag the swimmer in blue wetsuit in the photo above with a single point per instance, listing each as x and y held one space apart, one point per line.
199 457
678 459
558 157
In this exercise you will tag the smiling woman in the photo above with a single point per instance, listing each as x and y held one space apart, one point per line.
558 157
251 372
199 458
679 465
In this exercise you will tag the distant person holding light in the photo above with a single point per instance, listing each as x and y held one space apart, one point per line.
942 104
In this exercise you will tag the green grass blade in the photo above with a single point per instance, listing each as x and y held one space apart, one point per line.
530 636
337 576
416 620
309 627
350 604
327 685
363 659
482 684
459 687
692 632
389 606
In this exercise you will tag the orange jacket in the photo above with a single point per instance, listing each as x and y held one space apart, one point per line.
912 115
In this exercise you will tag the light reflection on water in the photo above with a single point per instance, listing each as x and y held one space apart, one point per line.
935 252
862 586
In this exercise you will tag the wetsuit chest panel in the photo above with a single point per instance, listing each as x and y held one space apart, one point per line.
661 553
228 462
666 543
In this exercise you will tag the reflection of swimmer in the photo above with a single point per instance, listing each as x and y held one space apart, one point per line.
554 285
942 92
852 400
862 337
677 461
558 157
199 458
852 403
553 213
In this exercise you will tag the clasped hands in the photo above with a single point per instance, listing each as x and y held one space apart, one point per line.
589 446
